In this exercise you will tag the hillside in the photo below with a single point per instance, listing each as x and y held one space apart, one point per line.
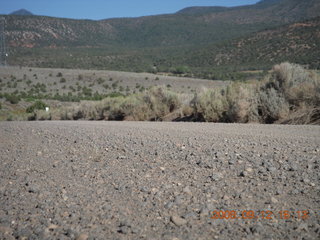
297 42
152 43
208 25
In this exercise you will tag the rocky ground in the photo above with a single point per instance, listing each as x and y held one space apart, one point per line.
129 180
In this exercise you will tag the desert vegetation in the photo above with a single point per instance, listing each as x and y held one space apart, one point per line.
289 94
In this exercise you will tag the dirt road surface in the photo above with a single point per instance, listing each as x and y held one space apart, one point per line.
142 180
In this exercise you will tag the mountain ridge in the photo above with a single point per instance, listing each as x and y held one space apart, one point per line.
149 41
22 12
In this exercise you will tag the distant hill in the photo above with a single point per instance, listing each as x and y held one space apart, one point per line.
297 42
159 43
210 24
22 12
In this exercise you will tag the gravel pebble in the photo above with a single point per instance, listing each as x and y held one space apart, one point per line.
146 180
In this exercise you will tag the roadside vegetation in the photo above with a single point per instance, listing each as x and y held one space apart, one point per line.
288 94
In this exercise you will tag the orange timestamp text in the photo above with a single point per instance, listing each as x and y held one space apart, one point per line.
265 214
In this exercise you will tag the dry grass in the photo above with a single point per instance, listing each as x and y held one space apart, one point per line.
290 94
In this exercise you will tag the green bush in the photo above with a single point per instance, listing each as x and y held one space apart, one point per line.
100 80
38 105
13 99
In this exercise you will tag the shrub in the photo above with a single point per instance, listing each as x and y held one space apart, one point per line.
242 103
13 99
210 105
59 74
10 118
42 115
38 105
63 80
114 85
153 104
297 84
160 101
180 70
87 91
292 89
100 80
272 106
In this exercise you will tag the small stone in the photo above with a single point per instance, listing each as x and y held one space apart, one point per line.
52 226
154 190
83 236
306 180
178 220
65 214
5 230
187 190
190 215
97 159
178 200
225 197
124 229
274 200
249 170
144 189
271 169
204 212
216 176
302 226
168 205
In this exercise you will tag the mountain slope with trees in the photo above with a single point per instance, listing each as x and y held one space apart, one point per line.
196 37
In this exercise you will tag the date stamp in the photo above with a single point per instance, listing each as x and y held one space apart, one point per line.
263 214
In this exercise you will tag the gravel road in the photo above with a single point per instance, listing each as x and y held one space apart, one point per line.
142 180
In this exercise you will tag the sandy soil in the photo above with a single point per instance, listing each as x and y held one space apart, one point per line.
136 180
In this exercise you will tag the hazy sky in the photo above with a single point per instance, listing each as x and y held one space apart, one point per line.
101 9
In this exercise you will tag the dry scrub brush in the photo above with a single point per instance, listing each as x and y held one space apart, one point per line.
152 104
290 94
